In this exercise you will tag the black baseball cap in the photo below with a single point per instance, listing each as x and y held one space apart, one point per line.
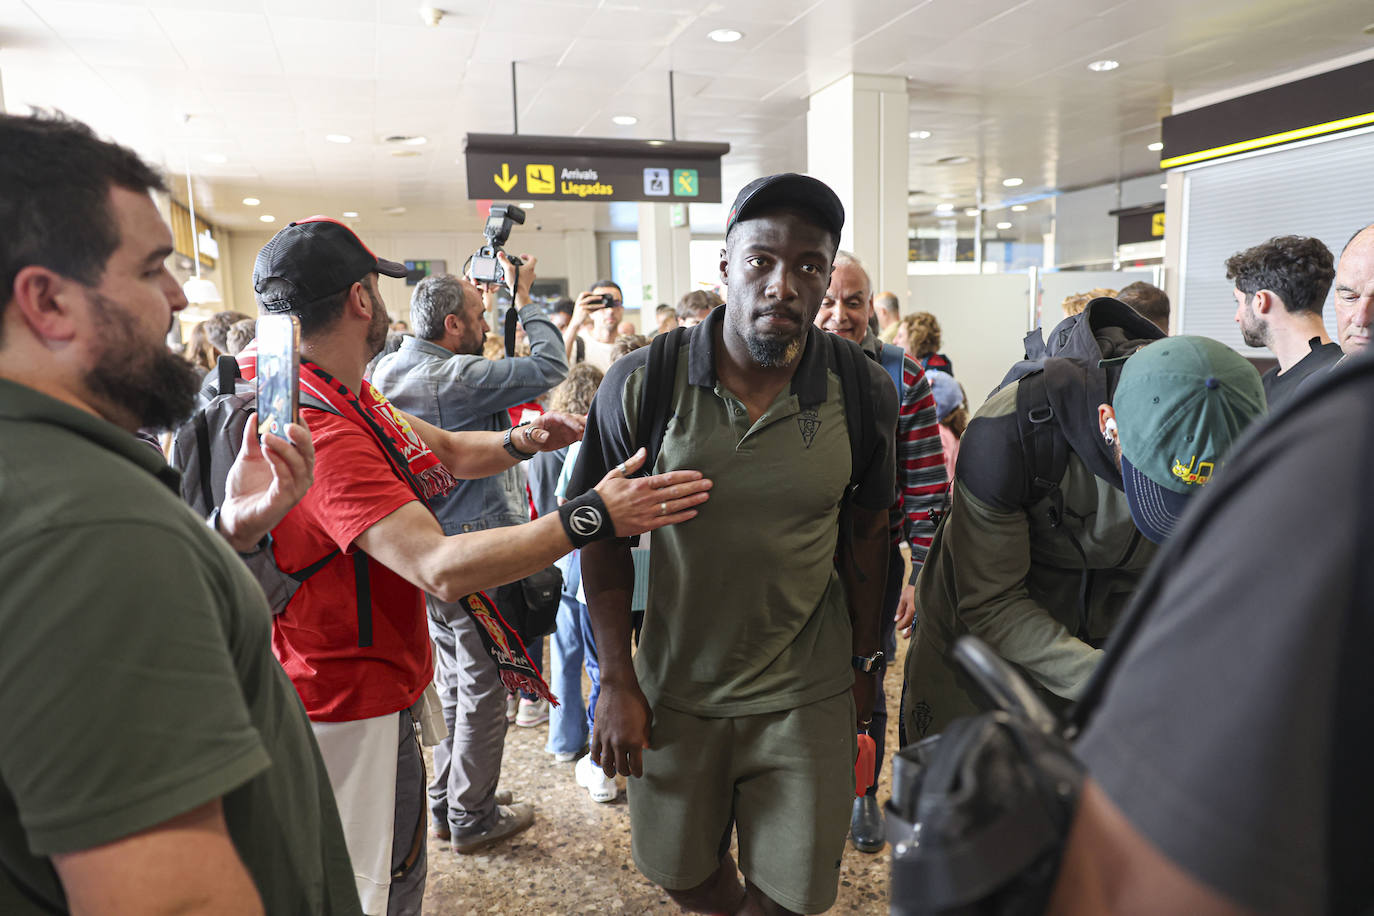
316 257
789 189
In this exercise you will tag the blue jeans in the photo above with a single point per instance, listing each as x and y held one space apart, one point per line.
573 647
535 650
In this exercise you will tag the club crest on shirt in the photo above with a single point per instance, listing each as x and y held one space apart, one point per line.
923 716
809 421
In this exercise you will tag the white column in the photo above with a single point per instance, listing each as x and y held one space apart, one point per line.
856 131
664 259
579 251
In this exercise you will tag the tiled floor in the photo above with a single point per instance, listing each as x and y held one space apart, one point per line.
576 857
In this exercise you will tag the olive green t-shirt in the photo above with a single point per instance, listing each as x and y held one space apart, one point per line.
137 680
746 613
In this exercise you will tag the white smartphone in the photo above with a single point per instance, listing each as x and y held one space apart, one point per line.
279 367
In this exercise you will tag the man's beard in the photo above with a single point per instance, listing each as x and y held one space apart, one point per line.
377 331
152 384
1254 332
774 352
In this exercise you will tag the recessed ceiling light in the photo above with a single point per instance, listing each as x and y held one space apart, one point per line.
527 206
251 201
971 211
1102 66
1155 147
1164 186
725 36
404 153
393 211
350 214
657 142
919 135
1004 225
1012 182
215 158
944 208
1020 208
338 138
267 218
625 120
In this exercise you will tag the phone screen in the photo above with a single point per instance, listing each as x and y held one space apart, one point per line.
279 366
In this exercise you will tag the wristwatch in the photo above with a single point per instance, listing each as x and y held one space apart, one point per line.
509 446
867 663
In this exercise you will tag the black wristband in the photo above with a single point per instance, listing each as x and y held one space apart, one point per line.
585 519
263 543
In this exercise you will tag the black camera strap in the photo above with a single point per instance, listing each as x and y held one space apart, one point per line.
511 317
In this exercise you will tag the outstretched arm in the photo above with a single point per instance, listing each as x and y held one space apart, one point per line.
410 542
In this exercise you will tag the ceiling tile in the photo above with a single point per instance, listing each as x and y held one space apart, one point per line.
207 28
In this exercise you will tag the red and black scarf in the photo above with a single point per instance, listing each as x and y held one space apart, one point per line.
417 465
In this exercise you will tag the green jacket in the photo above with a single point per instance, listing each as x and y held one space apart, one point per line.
999 569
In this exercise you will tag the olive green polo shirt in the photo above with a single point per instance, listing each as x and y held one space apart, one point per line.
137 680
746 613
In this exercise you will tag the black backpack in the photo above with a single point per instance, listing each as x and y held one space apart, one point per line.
1054 381
204 448
846 358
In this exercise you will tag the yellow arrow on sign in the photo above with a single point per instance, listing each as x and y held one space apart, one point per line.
505 181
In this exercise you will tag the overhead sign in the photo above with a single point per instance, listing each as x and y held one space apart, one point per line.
1321 105
1139 224
583 168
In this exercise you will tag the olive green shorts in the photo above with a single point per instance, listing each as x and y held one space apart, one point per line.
784 780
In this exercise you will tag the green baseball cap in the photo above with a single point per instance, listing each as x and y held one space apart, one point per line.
1180 405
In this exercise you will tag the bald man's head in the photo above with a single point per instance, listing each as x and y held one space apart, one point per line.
1354 292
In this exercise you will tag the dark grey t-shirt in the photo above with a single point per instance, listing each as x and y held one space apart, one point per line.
1236 732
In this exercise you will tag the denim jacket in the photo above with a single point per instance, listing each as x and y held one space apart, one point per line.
460 393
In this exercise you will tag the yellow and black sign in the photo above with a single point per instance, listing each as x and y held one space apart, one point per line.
581 168
1316 106
1139 224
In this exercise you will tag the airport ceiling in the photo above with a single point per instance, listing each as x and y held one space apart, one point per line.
1004 83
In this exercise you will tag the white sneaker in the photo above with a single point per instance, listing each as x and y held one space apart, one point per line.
532 712
512 706
565 756
599 786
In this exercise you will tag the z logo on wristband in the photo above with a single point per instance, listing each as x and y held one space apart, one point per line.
585 520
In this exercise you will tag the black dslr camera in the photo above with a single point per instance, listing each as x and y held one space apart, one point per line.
485 268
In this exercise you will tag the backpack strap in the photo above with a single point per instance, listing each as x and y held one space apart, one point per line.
850 362
363 585
228 369
656 394
207 489
1045 459
309 400
893 359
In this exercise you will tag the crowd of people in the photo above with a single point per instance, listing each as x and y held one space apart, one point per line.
741 512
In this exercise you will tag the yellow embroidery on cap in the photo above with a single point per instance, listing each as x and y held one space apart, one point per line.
1190 476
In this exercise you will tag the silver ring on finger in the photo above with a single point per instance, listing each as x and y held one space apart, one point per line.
621 468
662 508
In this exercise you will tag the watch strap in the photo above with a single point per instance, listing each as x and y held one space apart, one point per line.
509 445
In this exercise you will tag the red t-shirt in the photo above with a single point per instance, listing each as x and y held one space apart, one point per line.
316 637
